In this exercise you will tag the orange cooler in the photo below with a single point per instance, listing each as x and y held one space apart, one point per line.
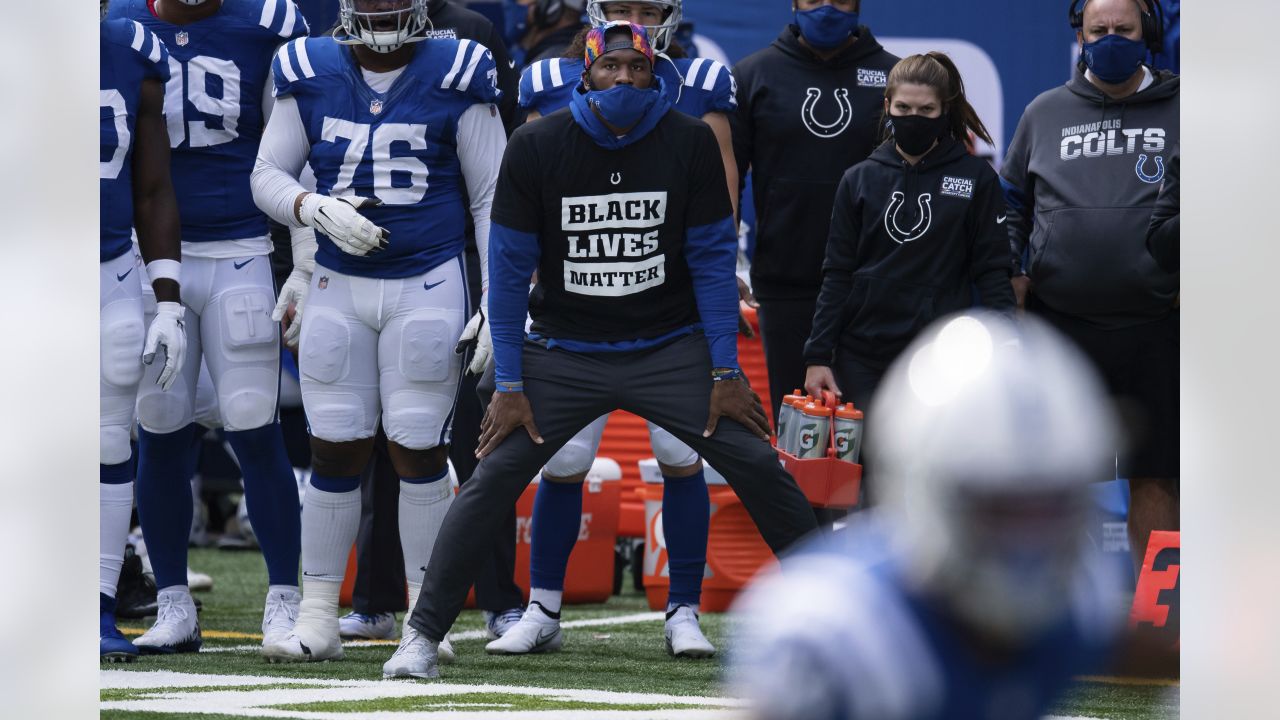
735 550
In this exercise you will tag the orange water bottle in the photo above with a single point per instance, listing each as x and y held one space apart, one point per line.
848 430
786 414
813 432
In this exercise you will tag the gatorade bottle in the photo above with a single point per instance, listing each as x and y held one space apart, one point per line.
786 413
793 428
814 434
848 430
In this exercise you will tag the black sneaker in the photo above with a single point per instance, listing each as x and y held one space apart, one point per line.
136 591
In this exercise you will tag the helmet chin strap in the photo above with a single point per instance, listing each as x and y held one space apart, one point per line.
342 37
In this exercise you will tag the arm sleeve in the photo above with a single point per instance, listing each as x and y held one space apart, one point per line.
481 141
990 258
837 276
1019 189
513 258
1163 235
711 251
281 157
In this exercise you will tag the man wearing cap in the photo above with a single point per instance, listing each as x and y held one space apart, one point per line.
620 206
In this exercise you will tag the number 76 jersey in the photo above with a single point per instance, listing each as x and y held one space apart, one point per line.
398 146
218 73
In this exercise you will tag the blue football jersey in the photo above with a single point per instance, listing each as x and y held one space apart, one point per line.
128 54
399 147
219 71
839 633
695 86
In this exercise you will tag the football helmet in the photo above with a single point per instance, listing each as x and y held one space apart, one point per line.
659 35
385 30
987 435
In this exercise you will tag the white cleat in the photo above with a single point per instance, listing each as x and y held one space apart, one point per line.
314 638
354 625
176 630
417 657
497 624
445 652
536 632
684 636
279 615
198 581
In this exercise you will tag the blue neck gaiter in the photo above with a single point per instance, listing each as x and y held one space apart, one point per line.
625 107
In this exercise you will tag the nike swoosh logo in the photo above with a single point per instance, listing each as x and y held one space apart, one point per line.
240 265
545 635
120 278
1000 220
428 286
512 63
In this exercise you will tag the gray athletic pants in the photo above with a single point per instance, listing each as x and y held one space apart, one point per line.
669 385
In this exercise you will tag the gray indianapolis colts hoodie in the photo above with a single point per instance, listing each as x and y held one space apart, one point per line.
1082 176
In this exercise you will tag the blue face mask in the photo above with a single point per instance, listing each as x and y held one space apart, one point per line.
1114 58
515 21
623 105
826 27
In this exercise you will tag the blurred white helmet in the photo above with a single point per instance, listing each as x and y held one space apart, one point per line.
986 435
659 35
381 25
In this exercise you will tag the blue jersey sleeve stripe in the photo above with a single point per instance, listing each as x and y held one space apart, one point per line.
463 47
691 79
290 18
139 35
268 14
286 67
536 72
157 49
712 75
304 60
476 57
556 79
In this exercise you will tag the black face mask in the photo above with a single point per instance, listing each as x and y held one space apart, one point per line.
915 134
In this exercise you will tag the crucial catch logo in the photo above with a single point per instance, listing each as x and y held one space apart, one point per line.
872 78
957 187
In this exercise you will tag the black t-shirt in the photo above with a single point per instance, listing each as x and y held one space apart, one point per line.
611 223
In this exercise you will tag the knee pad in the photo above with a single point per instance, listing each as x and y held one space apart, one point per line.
669 450
427 339
248 397
336 416
123 335
250 333
113 445
415 420
163 412
574 458
324 352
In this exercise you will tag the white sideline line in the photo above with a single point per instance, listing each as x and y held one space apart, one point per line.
469 634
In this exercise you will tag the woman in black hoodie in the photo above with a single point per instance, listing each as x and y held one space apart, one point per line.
914 229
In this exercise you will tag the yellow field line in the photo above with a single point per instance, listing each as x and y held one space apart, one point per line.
1154 682
216 634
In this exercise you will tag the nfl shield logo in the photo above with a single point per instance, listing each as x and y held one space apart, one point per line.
182 38
375 107
324 282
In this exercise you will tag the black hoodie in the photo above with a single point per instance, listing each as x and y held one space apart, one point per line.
802 122
908 244
450 19
1086 171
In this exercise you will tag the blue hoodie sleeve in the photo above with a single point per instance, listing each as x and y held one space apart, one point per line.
513 256
712 254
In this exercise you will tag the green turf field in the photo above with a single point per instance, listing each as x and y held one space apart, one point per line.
607 670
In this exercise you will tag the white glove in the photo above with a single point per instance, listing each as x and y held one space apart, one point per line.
166 330
295 289
352 232
477 333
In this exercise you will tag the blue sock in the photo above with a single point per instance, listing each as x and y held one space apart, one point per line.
271 494
686 516
557 513
164 500
117 474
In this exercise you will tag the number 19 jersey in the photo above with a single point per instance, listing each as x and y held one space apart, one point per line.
399 146
218 70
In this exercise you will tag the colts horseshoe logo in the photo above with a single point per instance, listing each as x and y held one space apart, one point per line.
1143 176
827 130
922 225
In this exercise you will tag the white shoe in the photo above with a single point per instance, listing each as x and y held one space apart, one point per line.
536 632
176 630
445 652
314 638
279 615
417 657
381 626
684 636
198 581
497 624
